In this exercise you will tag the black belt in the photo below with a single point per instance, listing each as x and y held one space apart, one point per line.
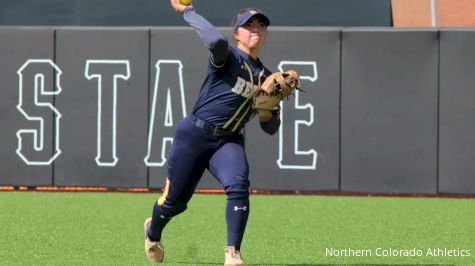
212 129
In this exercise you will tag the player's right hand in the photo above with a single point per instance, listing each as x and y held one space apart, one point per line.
179 8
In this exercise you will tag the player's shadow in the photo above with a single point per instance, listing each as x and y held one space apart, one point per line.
318 264
336 264
359 264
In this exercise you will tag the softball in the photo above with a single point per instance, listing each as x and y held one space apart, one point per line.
185 2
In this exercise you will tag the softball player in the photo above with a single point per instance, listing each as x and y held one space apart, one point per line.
211 136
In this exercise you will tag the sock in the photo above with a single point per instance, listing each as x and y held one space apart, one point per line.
237 212
159 221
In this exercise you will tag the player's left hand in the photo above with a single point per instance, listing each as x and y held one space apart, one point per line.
275 88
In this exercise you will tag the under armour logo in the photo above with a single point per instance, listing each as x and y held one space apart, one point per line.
236 208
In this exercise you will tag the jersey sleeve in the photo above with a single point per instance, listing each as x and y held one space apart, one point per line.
214 41
272 125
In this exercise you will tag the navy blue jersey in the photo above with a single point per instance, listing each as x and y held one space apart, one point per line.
225 97
233 78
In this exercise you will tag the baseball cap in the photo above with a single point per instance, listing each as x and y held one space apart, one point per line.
245 16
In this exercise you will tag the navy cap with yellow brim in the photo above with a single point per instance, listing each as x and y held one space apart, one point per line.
246 16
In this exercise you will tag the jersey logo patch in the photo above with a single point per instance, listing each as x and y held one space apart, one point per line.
244 88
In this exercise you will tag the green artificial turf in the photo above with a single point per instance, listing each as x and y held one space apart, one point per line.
59 228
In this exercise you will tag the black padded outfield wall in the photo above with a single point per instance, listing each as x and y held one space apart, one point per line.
384 110
303 155
26 137
103 103
389 110
457 111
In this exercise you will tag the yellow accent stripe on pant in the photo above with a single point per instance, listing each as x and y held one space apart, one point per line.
162 198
